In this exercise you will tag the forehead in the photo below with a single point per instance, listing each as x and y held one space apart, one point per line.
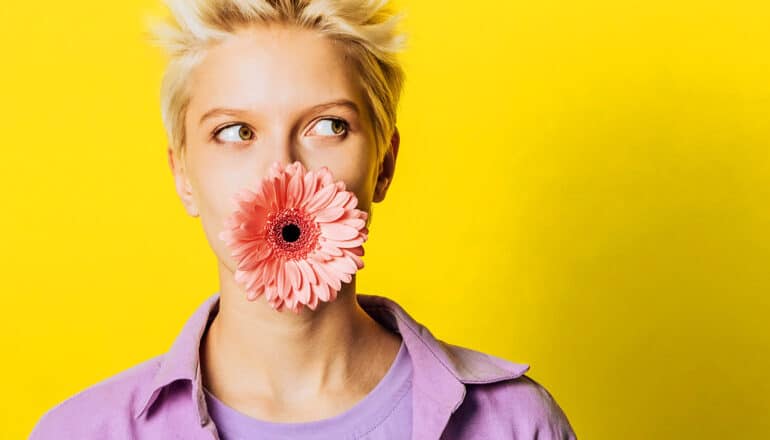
272 68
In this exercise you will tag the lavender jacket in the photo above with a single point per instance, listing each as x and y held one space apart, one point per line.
459 393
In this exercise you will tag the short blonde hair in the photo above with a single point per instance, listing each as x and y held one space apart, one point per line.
366 29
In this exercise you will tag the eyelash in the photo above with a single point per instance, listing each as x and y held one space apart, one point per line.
219 130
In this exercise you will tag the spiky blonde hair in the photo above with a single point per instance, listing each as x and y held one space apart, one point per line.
366 29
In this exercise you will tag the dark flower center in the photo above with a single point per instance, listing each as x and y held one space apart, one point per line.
290 232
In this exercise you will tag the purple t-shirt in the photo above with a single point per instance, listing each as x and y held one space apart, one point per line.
383 414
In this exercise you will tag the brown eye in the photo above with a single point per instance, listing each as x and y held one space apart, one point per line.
235 133
337 126
245 133
331 126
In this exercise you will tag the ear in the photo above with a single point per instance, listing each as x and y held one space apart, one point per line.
387 168
183 187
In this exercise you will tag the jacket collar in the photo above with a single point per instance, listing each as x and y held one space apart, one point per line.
439 377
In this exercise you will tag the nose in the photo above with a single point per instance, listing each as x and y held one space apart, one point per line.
280 147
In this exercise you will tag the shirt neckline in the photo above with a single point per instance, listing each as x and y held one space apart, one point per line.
361 418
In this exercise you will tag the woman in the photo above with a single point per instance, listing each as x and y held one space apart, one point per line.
251 84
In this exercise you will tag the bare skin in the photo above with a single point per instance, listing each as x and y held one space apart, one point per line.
271 365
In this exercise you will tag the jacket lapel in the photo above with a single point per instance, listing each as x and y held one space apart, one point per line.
440 370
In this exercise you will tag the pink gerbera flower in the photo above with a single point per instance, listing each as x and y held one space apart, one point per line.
296 237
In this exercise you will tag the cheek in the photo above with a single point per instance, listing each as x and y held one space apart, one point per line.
216 184
358 179
357 168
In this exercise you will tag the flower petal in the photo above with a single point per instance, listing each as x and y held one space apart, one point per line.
330 214
255 277
254 293
354 223
313 303
270 293
341 199
252 260
268 188
303 293
239 276
275 168
321 199
326 176
356 242
343 265
321 255
352 203
282 284
247 233
272 272
355 251
293 274
294 190
307 271
326 276
276 302
355 257
337 231
322 291
281 185
240 251
330 249
310 185
254 211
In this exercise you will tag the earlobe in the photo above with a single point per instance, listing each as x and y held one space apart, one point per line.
387 168
182 184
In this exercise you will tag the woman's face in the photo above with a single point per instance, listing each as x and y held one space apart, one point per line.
273 94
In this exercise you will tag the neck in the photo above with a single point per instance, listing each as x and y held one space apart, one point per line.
251 351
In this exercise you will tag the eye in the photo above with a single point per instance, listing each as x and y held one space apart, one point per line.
332 126
235 133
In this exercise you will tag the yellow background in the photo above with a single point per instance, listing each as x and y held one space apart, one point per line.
581 186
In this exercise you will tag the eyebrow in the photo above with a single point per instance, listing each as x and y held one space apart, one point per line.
234 111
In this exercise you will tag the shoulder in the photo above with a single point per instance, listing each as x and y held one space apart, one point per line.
503 399
99 411
522 407
527 397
